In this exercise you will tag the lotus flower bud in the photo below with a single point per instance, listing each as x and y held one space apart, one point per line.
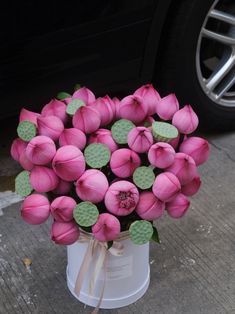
63 187
167 107
121 198
103 136
192 187
185 120
150 96
92 186
62 208
29 116
35 209
161 155
111 103
43 179
73 137
123 162
133 108
166 186
40 150
17 147
116 102
184 168
175 142
140 139
86 119
148 122
69 163
64 232
55 108
107 228
178 206
50 126
149 206
84 94
197 148
104 109
25 162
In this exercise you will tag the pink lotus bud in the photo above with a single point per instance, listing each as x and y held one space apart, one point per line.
184 168
73 137
35 209
104 109
63 187
148 122
69 163
149 206
175 142
123 162
116 102
86 119
140 139
161 155
50 126
40 150
25 162
150 96
43 179
84 94
107 228
178 206
17 147
166 186
55 108
192 187
64 232
121 198
133 108
62 208
29 116
167 107
92 186
197 148
103 136
111 103
185 120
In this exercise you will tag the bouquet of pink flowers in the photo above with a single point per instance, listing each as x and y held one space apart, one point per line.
107 165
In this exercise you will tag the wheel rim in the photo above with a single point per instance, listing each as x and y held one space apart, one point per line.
215 56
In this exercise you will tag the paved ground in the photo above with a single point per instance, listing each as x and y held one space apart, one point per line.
192 271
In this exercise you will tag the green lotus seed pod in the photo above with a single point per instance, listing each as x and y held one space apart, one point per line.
163 131
97 155
26 130
22 184
120 130
62 95
144 177
85 214
141 231
73 106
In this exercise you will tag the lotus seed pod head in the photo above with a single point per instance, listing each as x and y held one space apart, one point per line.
161 155
133 108
92 186
167 107
116 102
149 206
35 209
17 147
121 198
104 109
43 179
73 137
185 120
192 187
178 206
84 94
107 228
62 208
40 150
55 108
65 233
166 186
103 136
50 126
175 142
25 162
123 162
150 96
69 163
87 119
29 116
63 187
140 139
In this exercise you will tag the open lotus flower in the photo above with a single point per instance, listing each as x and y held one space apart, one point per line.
166 186
69 163
197 148
64 232
121 198
73 137
40 150
103 136
17 147
29 116
35 209
149 206
107 228
50 126
55 108
92 186
25 162
192 187
116 103
167 107
62 188
62 208
105 108
123 162
184 168
185 120
178 206
133 108
43 179
150 96
87 119
161 155
84 94
140 139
